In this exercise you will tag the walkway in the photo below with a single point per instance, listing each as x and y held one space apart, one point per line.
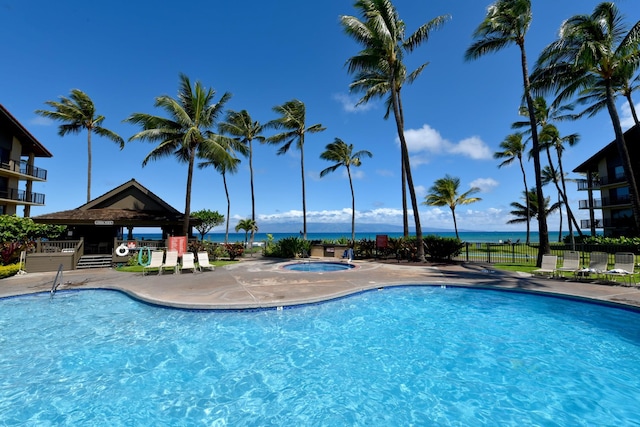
255 283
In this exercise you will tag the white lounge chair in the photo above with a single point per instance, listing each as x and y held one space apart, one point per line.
171 262
598 263
155 263
624 266
548 266
203 261
188 262
570 263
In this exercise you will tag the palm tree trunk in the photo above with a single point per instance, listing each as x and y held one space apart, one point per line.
187 203
405 213
526 191
455 223
563 199
543 231
226 192
353 208
632 108
560 225
566 200
397 111
253 201
88 165
304 200
624 155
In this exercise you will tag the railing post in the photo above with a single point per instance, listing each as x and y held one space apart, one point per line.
466 247
489 253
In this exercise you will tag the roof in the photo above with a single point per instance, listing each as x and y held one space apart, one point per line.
29 142
631 138
128 204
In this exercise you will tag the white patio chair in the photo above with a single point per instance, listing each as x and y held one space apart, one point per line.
171 262
203 261
188 262
155 263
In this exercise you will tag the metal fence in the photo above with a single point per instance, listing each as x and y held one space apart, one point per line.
518 253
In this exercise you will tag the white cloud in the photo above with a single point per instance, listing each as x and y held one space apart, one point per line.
485 184
384 172
421 191
41 121
430 141
349 102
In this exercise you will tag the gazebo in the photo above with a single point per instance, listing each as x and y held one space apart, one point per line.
103 221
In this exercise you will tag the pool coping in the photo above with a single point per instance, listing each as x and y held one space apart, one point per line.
258 283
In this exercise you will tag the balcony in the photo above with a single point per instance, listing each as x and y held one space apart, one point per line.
583 184
585 224
22 196
584 204
612 180
23 169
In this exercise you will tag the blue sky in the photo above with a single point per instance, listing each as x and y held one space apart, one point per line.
123 54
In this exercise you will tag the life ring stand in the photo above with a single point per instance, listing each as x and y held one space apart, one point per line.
122 250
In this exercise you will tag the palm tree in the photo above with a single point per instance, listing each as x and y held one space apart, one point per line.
244 129
380 71
185 133
342 155
506 23
520 211
444 192
224 165
292 121
248 225
513 148
590 54
77 112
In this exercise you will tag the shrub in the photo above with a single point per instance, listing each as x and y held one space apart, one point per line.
234 250
9 270
289 247
442 248
364 248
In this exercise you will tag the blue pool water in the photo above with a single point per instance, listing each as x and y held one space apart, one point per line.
400 356
318 267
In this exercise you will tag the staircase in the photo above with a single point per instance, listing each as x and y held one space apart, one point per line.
94 261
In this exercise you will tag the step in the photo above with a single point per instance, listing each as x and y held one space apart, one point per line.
94 261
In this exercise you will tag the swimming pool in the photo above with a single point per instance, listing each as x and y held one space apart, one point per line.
400 356
318 266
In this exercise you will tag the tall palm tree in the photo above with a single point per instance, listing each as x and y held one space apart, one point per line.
513 148
520 213
342 155
380 71
248 225
506 23
77 112
244 129
588 54
444 192
292 122
185 133
224 165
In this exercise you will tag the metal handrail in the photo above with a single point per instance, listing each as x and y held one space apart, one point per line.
56 283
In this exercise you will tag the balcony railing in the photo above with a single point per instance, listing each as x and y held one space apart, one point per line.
585 223
583 184
584 204
23 167
22 196
610 180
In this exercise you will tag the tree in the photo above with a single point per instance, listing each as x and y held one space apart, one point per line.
292 121
77 113
589 55
248 225
208 221
244 129
185 133
549 174
224 165
380 71
520 213
342 155
506 23
513 148
444 192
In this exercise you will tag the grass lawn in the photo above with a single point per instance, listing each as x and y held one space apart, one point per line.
138 268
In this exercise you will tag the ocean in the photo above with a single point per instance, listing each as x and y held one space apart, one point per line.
467 236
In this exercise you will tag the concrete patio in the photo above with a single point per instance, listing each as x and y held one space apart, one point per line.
261 283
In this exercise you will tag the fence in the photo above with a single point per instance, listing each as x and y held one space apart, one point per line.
518 253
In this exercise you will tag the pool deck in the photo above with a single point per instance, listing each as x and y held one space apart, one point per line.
262 283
